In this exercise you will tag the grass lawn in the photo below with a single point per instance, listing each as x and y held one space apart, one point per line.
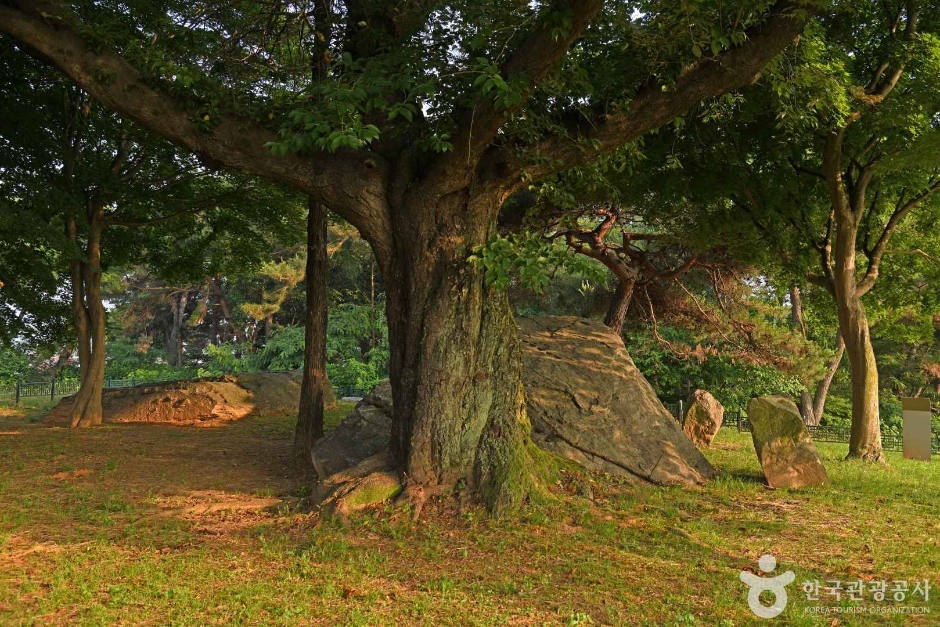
127 524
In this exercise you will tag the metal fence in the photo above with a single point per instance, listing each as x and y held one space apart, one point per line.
61 387
349 391
737 419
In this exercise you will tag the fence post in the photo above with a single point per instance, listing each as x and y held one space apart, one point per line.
52 393
739 421
681 413
17 399
109 383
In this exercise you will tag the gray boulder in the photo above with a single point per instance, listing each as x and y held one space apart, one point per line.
587 401
703 418
784 447
364 432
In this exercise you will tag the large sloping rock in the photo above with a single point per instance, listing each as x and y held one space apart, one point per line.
703 418
588 402
784 447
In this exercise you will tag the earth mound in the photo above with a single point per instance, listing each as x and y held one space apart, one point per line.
587 401
206 402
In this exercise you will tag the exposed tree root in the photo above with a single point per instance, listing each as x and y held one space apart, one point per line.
372 481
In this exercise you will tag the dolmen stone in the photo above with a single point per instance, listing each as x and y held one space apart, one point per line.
784 447
703 418
587 401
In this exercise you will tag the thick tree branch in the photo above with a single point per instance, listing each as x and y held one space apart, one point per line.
351 183
882 84
877 253
654 105
531 63
832 170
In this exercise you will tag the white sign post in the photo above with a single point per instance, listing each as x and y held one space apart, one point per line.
916 428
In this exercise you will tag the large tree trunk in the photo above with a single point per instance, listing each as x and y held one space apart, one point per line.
865 437
619 306
310 416
90 323
848 208
459 406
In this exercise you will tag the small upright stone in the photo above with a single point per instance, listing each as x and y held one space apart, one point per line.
784 447
703 419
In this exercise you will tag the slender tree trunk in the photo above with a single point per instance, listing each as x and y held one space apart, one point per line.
619 306
79 312
796 310
848 208
268 328
172 336
459 405
215 329
865 437
180 324
239 333
796 316
310 416
806 408
822 388
812 406
175 340
86 407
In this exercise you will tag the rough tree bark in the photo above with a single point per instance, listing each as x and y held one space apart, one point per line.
459 410
310 415
620 305
865 437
